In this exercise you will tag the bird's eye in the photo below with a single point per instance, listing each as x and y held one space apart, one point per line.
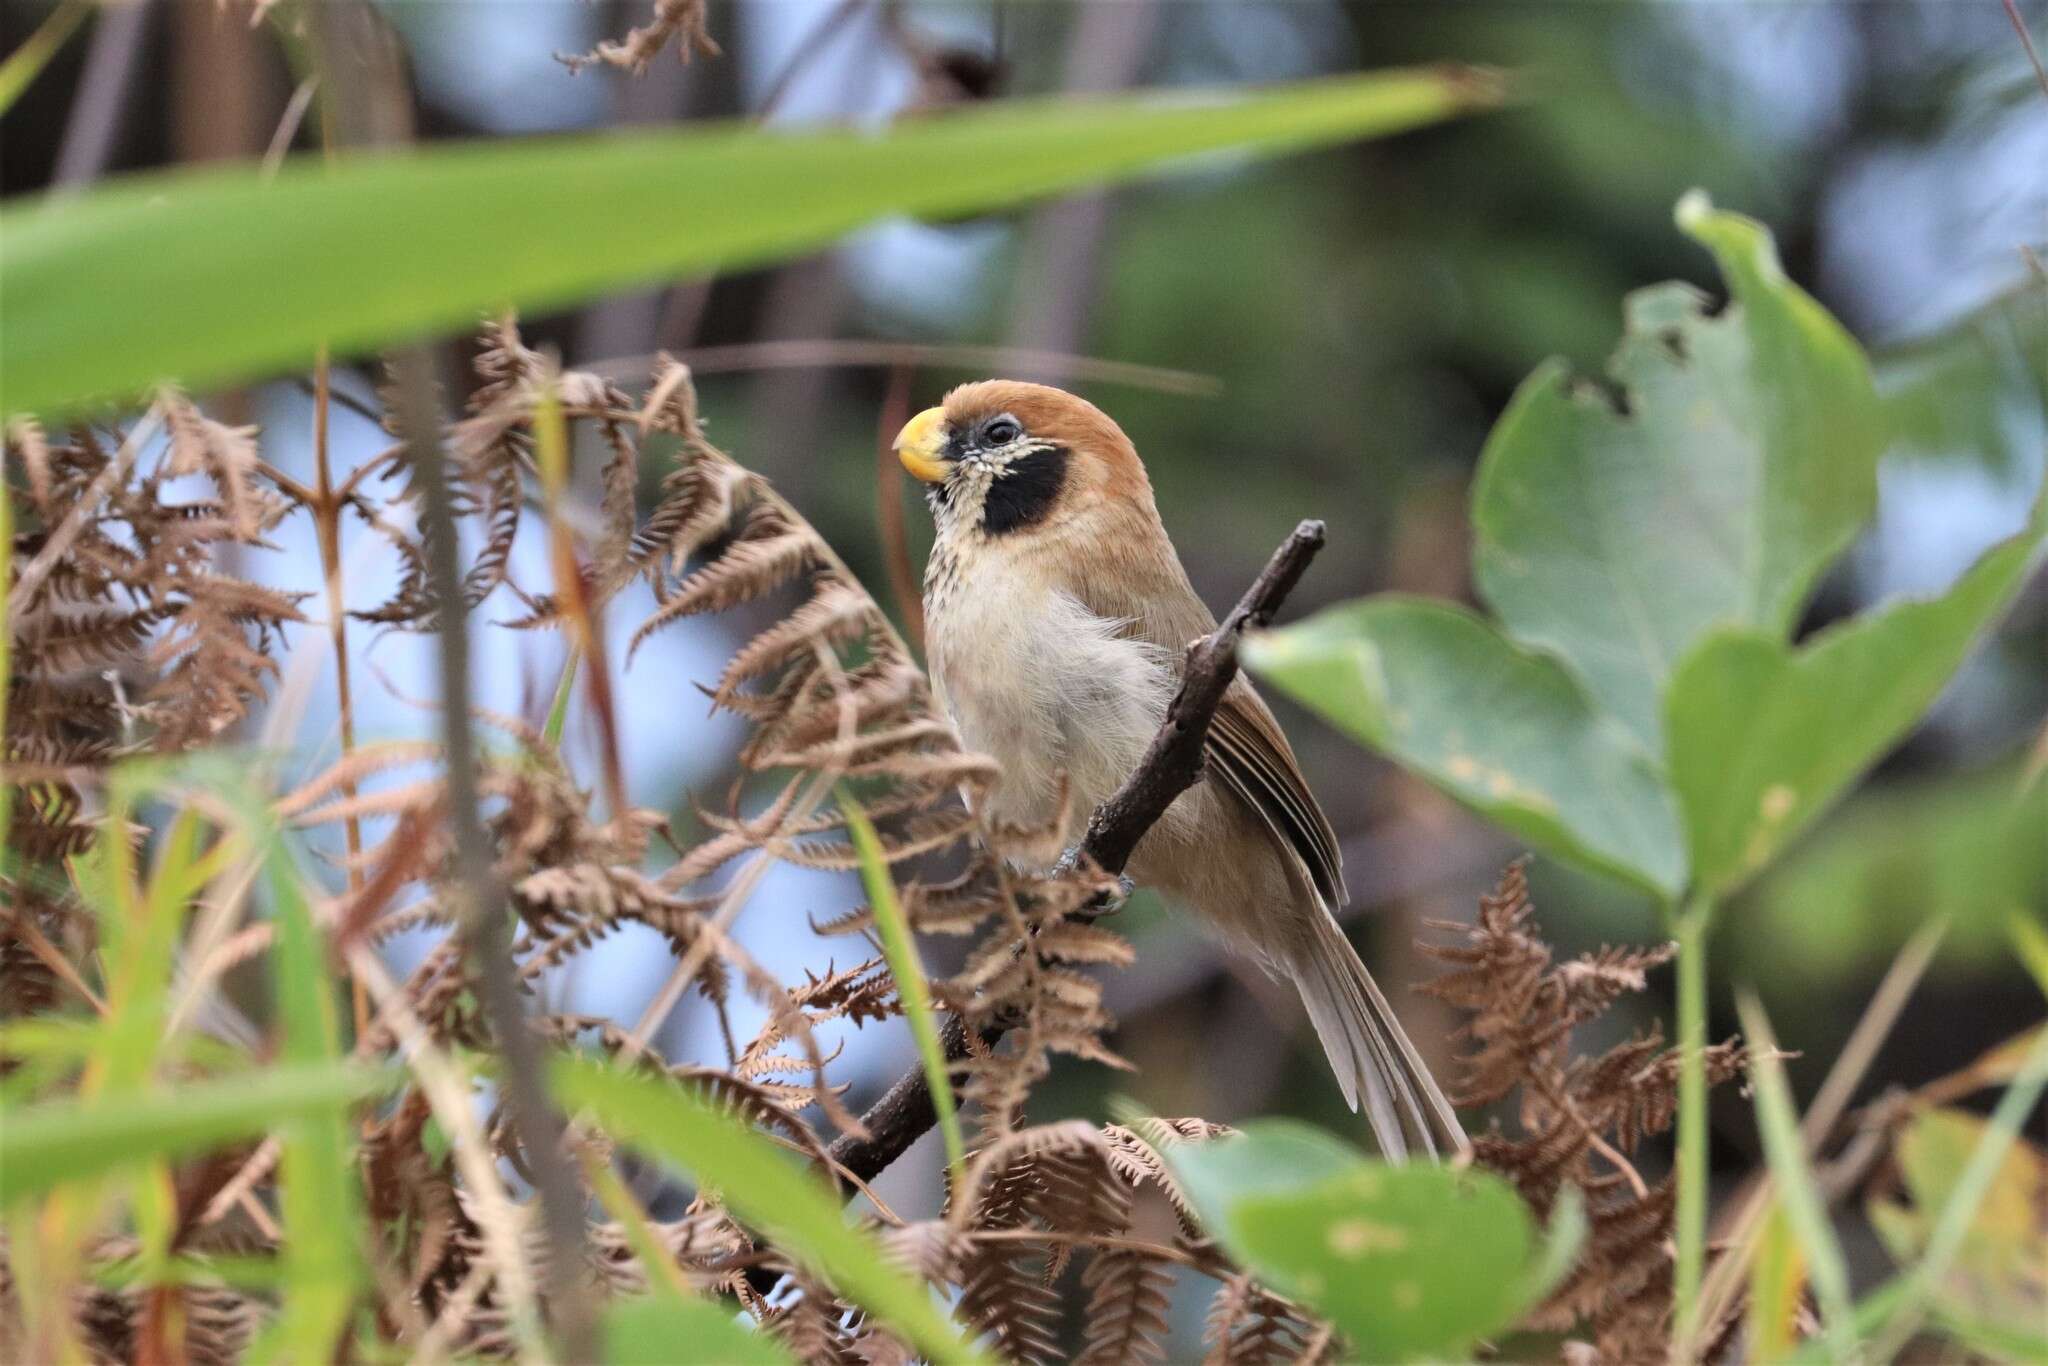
1001 432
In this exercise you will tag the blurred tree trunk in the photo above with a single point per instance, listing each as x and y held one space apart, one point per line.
102 99
1063 251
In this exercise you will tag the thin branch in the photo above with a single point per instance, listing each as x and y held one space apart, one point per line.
889 506
1172 763
824 352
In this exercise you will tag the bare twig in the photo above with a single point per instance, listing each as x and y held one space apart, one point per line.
1171 764
2012 12
889 506
826 352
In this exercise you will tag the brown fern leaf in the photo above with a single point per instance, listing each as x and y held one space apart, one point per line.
1248 1327
1127 1305
1003 1293
1573 1112
683 22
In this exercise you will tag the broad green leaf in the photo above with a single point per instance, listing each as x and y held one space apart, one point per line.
1764 736
243 276
663 1329
1506 731
1407 1260
1742 464
2000 1270
1272 1157
64 1141
763 1186
912 988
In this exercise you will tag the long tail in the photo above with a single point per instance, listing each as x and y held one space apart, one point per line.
1369 1051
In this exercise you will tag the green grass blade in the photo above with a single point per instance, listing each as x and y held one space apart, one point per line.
59 1142
322 1260
901 950
764 1187
246 276
1798 1195
26 62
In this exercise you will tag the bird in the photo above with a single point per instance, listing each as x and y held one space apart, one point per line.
1057 616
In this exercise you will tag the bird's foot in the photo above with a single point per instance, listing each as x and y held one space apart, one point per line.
1105 902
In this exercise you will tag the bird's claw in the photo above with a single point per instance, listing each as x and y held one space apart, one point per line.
1105 902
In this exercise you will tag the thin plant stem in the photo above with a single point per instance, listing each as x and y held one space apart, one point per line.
1691 1229
6 668
26 62
327 527
889 506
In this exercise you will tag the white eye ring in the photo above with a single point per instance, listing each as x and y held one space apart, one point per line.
1001 432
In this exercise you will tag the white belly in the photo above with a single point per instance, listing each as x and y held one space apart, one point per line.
1046 688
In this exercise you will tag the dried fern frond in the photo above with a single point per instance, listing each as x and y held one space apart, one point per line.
1574 1112
683 22
1127 1306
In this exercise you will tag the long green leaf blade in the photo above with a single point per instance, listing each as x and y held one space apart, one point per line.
205 277
1797 1194
763 1186
908 969
64 1141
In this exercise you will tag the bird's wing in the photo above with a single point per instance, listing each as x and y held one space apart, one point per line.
1246 750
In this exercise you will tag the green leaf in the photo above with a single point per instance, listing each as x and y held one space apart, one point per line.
1407 1261
900 948
1776 1279
27 61
1975 391
2001 1260
1274 1156
1742 465
1504 730
1961 1184
244 275
322 1261
657 1330
64 1141
1764 737
1964 848
1797 1195
763 1186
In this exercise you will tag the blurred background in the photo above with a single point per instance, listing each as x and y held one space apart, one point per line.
1326 335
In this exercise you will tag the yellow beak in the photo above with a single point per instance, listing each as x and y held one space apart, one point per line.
921 443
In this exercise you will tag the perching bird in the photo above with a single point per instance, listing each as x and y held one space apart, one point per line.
1056 619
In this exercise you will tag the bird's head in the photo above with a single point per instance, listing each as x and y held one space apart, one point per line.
1003 458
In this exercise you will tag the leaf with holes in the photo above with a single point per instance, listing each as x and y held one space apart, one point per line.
1741 463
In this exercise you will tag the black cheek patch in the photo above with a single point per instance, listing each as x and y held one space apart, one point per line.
1023 494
